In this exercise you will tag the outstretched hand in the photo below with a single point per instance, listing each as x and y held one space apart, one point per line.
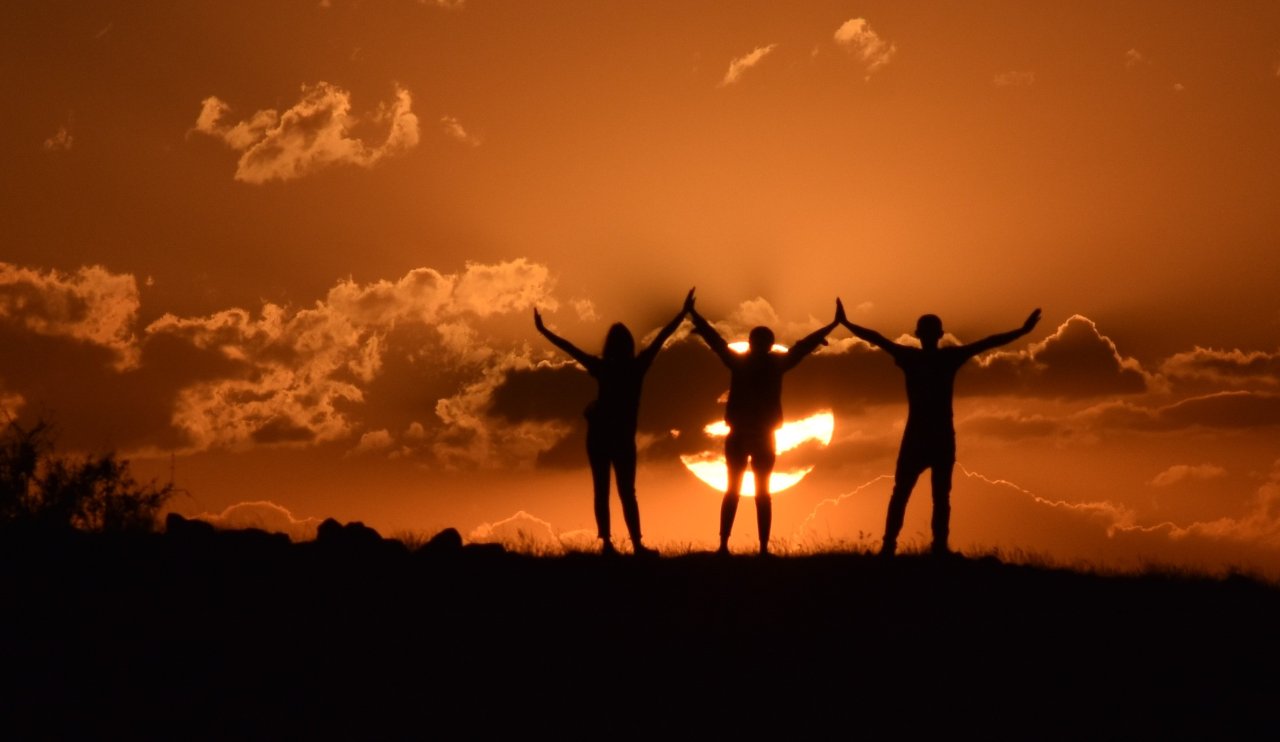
1032 319
840 318
688 302
537 320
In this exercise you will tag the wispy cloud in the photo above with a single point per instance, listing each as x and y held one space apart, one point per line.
264 515
1185 472
740 65
312 135
1014 78
526 532
1133 58
59 141
453 128
857 36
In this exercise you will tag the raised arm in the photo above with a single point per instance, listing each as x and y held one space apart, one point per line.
1002 338
647 355
588 361
809 343
711 337
873 337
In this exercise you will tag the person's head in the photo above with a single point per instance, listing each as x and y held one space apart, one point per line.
618 343
760 340
929 329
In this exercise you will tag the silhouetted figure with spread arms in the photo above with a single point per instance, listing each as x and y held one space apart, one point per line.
929 441
753 412
613 415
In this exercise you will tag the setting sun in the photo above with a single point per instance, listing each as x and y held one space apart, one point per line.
709 466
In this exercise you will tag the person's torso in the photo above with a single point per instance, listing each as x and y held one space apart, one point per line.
755 393
930 377
617 402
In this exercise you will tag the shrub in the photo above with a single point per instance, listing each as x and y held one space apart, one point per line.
96 493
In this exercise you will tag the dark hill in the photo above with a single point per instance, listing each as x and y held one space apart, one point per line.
203 634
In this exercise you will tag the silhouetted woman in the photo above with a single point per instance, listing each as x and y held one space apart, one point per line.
613 415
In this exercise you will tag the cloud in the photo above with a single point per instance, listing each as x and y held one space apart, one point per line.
314 134
301 374
374 440
453 128
264 515
1179 87
1220 410
10 404
1213 369
1075 361
93 305
445 4
586 310
856 36
1014 78
1133 58
1257 528
528 533
745 62
60 141
1186 472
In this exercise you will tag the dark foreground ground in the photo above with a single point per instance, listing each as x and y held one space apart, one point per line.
241 635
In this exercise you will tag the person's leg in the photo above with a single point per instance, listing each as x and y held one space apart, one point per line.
624 471
940 475
598 456
762 461
905 475
735 456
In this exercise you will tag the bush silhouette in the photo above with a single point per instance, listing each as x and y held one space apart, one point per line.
96 493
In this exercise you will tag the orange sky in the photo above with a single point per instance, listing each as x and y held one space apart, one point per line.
293 250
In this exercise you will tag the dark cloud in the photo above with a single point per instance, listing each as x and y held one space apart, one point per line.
1223 410
1205 369
1077 361
1011 425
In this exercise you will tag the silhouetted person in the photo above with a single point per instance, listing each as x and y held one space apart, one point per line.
929 441
753 412
612 417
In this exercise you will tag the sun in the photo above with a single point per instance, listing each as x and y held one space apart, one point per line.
709 466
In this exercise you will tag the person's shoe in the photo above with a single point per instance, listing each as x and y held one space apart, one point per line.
723 550
888 549
641 550
608 549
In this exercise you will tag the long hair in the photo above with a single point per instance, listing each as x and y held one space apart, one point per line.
619 345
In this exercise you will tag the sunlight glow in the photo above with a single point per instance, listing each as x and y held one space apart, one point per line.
710 466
